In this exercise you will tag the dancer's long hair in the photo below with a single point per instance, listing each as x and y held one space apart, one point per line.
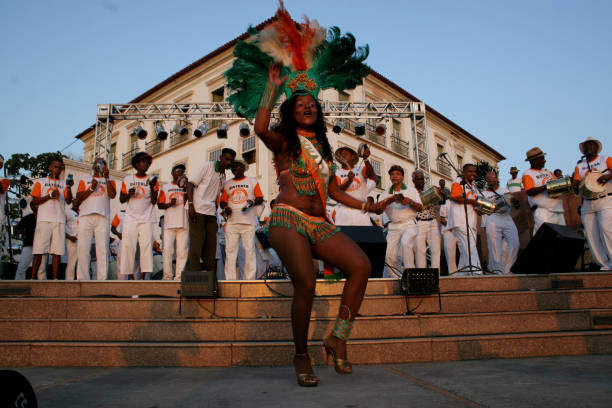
288 127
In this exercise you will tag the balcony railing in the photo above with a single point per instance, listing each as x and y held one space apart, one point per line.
400 146
248 144
127 158
443 168
176 138
154 146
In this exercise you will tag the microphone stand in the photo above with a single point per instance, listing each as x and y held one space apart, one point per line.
469 268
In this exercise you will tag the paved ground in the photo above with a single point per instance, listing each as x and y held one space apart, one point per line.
584 381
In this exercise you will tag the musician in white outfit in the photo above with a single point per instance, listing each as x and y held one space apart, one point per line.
429 230
403 229
93 195
176 223
596 213
448 237
140 193
544 207
238 197
463 230
502 235
357 181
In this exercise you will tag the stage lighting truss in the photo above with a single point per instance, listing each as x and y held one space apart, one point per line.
108 114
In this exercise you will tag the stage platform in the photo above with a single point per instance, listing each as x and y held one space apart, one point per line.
143 323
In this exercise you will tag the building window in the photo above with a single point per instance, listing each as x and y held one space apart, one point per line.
214 155
112 159
133 142
217 97
459 162
377 166
343 96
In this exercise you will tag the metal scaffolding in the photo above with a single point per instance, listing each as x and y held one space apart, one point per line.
217 111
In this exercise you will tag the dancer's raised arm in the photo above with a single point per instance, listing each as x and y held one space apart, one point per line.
273 140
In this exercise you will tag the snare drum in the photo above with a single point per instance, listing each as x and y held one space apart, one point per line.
484 206
559 187
590 188
431 197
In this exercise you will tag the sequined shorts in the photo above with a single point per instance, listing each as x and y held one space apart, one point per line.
317 229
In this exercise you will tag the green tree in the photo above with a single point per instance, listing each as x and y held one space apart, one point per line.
482 169
32 167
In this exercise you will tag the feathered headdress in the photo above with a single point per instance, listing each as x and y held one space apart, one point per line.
313 59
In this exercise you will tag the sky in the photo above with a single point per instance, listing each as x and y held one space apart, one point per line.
515 74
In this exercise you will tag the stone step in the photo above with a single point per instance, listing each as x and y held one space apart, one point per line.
279 329
326 306
224 354
246 289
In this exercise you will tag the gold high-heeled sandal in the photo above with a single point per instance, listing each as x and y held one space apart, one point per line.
341 330
304 379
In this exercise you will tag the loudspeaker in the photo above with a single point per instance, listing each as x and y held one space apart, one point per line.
16 390
372 241
199 284
553 249
420 280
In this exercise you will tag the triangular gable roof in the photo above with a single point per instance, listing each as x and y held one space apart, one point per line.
260 26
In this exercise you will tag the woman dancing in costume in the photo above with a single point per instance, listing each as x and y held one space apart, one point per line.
301 59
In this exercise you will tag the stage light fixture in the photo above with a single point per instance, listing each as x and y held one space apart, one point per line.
381 129
245 130
222 130
338 126
201 129
160 132
139 132
180 129
360 128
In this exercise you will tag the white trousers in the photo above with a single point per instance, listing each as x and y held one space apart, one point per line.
403 236
97 226
351 216
234 233
429 234
450 250
503 243
25 260
180 237
133 234
598 231
71 265
462 243
542 215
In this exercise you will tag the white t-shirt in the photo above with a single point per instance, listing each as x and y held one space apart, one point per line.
359 188
456 213
208 181
139 208
176 216
444 209
514 185
600 163
54 209
236 193
536 178
98 202
400 213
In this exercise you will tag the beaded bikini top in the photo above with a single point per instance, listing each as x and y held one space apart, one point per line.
310 172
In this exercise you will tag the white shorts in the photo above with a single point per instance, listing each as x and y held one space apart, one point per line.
49 238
